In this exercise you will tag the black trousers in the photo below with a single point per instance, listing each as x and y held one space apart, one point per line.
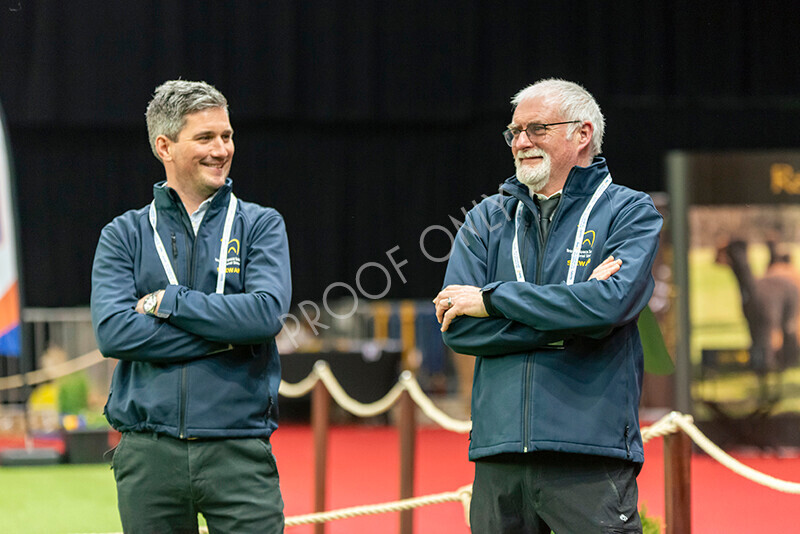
569 493
163 483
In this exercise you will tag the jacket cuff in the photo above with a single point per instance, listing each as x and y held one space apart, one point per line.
486 294
167 305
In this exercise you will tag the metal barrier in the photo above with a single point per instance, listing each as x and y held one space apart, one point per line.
53 337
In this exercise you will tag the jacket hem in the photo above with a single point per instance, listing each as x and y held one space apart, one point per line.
205 433
478 453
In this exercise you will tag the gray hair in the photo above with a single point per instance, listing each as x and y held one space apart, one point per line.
575 104
172 101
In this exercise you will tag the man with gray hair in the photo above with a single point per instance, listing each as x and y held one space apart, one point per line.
187 293
547 301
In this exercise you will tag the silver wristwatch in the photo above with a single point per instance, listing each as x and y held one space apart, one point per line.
150 303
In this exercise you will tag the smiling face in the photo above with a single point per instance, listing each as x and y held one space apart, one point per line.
199 160
543 161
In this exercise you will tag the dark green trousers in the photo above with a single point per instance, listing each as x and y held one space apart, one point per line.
163 483
568 493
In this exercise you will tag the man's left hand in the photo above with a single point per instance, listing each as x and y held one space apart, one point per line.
456 300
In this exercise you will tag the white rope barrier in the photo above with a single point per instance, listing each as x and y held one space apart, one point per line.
349 403
462 494
407 382
33 378
685 423
300 389
430 409
669 424
664 426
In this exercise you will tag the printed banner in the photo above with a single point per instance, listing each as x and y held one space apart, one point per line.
742 253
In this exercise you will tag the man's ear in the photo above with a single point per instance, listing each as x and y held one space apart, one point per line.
164 148
585 134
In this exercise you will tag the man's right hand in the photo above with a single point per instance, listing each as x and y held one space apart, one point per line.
606 269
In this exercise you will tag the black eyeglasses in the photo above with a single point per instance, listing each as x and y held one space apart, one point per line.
533 129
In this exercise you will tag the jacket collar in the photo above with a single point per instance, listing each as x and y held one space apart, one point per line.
167 198
582 181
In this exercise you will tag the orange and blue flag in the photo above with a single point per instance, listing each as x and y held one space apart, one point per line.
9 278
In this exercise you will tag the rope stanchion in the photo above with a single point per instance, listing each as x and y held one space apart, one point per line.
407 432
320 423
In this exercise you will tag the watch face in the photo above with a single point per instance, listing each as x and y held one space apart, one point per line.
150 303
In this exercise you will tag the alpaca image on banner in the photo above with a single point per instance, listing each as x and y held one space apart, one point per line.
770 305
744 264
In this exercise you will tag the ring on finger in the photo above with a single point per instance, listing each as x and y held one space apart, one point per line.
449 302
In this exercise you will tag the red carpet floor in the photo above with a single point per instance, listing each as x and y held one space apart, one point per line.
363 469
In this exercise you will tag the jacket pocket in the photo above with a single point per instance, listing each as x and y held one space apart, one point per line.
270 408
113 422
116 451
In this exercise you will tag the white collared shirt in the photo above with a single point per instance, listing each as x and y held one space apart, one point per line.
545 197
200 212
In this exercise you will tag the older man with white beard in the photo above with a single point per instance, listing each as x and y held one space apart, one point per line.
555 425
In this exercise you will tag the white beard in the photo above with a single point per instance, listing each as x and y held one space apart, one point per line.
536 178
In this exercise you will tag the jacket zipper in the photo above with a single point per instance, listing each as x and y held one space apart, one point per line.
190 253
182 422
528 361
526 412
627 444
528 367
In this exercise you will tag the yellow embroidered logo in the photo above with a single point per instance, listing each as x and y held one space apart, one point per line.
585 253
234 262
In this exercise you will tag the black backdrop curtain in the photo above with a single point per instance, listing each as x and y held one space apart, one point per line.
365 122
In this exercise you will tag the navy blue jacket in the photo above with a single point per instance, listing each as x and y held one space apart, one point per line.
531 391
208 367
